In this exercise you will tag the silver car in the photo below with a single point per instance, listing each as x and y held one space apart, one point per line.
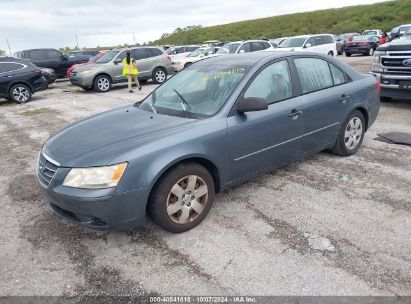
152 63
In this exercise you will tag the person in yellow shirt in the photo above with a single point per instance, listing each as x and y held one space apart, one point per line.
130 71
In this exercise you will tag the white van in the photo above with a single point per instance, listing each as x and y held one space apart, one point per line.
322 43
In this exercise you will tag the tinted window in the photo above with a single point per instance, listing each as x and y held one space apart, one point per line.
139 54
191 48
10 66
155 52
265 45
311 41
52 54
319 40
180 50
338 75
314 74
256 46
38 55
328 39
246 47
273 83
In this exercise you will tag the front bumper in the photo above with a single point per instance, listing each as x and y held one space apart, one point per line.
394 86
112 212
84 82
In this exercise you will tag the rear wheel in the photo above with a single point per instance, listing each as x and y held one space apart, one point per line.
351 135
371 52
102 84
159 75
188 64
20 93
182 198
331 53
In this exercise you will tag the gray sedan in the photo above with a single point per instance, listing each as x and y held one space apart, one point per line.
215 124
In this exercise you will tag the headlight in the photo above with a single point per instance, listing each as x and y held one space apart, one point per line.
86 73
377 56
96 177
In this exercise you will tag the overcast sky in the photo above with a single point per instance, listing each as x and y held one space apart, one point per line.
50 23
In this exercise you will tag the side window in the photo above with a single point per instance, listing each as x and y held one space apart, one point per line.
122 55
52 54
38 55
265 45
191 48
311 41
328 39
155 52
246 47
2 67
338 75
139 54
181 50
10 67
319 40
273 83
314 73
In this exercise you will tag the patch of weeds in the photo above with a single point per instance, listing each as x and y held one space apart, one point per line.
36 112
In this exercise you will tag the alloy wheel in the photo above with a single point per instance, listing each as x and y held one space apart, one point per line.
371 52
187 199
160 76
103 84
21 94
353 133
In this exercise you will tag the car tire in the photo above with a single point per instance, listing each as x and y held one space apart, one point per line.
102 84
159 75
347 54
142 80
385 98
188 64
20 93
340 53
351 135
371 52
331 54
172 201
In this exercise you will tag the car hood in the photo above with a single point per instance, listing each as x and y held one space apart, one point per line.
106 138
401 44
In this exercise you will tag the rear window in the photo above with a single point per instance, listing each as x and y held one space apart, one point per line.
370 33
314 74
338 75
155 52
6 67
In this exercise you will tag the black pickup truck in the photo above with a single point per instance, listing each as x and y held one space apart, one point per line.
392 65
52 59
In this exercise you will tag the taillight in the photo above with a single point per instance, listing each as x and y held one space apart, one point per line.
378 86
168 57
363 43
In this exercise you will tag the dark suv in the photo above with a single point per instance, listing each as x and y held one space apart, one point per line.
53 59
19 79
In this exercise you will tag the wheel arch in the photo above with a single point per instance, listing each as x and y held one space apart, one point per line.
199 159
19 82
103 74
365 114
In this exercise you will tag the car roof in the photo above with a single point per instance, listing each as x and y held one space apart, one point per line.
137 47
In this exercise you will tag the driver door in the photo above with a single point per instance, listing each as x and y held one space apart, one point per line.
270 138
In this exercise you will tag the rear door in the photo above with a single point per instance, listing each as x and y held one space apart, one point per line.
326 95
11 71
269 138
144 62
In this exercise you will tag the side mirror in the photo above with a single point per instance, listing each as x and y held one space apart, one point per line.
308 45
251 104
117 61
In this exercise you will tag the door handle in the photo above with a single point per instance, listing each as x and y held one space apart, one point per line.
294 113
344 98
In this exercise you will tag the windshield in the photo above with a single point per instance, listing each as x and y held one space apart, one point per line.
108 57
94 58
362 38
199 91
370 33
292 42
196 52
229 48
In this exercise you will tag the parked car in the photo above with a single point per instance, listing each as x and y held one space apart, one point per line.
152 63
49 74
213 125
20 79
365 45
247 46
181 51
89 54
323 44
194 56
381 35
90 61
392 66
399 32
51 58
276 42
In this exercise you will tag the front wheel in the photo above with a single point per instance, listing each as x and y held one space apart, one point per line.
371 52
331 54
351 135
347 54
102 84
159 75
182 198
20 93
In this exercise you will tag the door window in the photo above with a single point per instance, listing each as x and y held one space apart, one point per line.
319 40
53 54
328 39
180 50
273 83
140 54
265 45
155 52
246 47
314 74
38 54
256 46
6 67
311 41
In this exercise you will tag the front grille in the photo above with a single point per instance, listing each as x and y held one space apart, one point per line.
46 169
400 54
392 62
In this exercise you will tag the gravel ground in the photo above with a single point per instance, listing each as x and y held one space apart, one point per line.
325 226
